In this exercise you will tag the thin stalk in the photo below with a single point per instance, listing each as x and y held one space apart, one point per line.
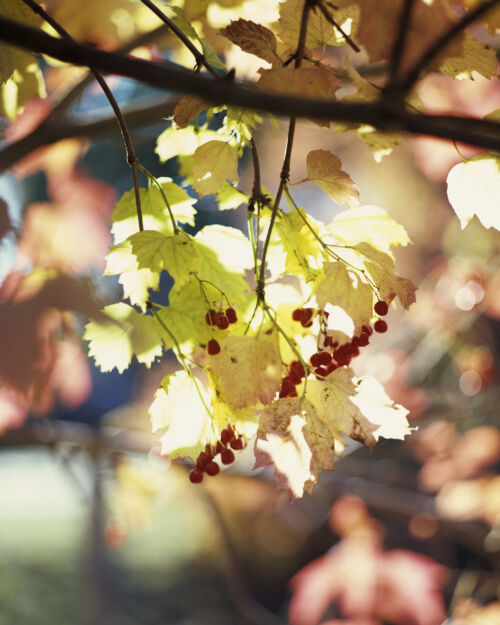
336 25
398 47
149 175
131 157
199 57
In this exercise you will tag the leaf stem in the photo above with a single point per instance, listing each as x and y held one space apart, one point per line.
149 175
129 147
336 25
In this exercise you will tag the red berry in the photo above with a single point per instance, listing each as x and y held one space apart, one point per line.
222 321
380 326
211 318
367 330
364 339
297 314
325 359
237 443
212 468
294 378
203 459
381 308
287 388
331 367
308 324
321 371
297 369
355 341
218 448
213 347
315 359
226 435
231 315
307 314
195 476
227 456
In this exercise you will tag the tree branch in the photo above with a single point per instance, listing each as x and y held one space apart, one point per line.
430 54
400 41
169 76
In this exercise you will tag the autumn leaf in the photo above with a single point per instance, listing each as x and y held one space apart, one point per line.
180 406
474 189
188 108
248 368
214 163
296 442
252 38
313 81
324 168
475 57
123 333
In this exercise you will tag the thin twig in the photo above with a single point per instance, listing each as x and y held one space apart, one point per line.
336 25
398 48
131 157
430 54
481 133
199 57
285 170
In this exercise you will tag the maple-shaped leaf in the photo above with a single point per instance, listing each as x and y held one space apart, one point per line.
296 442
252 38
379 24
381 268
214 163
313 81
175 142
243 420
343 288
369 224
475 57
379 409
140 260
248 368
239 125
335 402
320 32
181 406
187 108
155 213
324 168
474 189
122 334
303 251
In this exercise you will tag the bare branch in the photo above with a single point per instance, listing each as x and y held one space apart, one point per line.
400 41
172 77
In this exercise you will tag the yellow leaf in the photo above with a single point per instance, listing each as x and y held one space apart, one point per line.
313 81
475 57
252 38
474 189
214 163
320 32
297 442
125 333
179 406
187 108
174 142
248 368
324 169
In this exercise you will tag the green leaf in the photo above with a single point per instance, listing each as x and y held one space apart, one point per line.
214 163
125 333
178 408
474 189
369 224
154 210
230 197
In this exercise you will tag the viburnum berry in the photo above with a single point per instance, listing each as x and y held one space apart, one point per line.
298 314
287 388
331 367
315 359
380 326
227 456
364 339
367 330
211 317
307 314
226 435
381 308
213 347
218 448
324 359
297 368
212 468
231 315
321 371
195 476
237 443
222 321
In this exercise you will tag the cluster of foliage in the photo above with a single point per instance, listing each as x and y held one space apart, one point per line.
266 324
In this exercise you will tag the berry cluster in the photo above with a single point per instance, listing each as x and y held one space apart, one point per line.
205 462
304 316
220 319
295 376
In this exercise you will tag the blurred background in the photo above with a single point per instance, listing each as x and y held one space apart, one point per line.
96 527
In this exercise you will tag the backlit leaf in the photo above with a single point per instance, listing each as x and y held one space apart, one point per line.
188 108
125 333
324 168
174 142
475 57
252 38
178 407
214 163
474 189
